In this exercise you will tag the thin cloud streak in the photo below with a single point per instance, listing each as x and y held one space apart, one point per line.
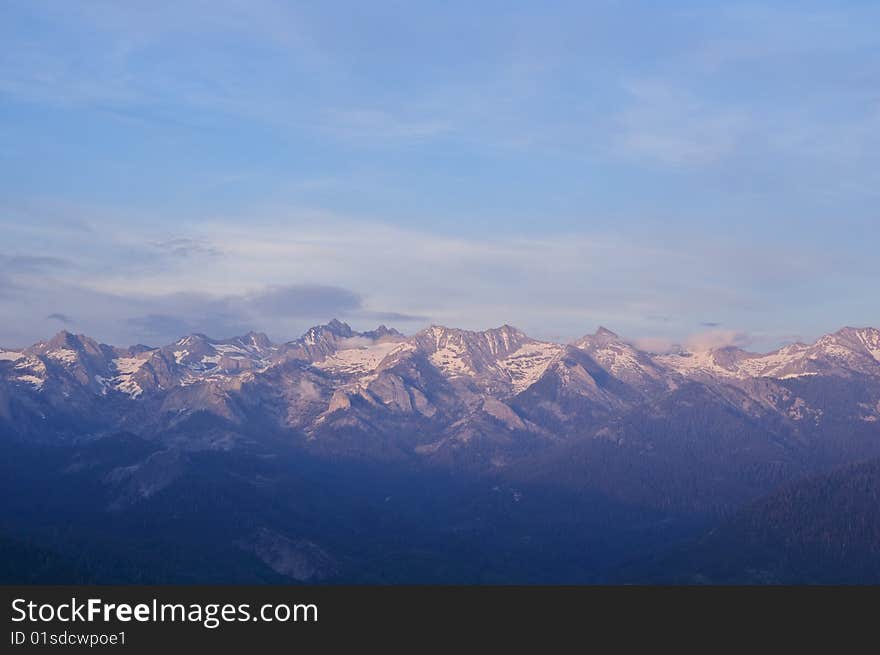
283 275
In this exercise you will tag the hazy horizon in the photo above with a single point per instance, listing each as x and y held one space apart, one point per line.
702 342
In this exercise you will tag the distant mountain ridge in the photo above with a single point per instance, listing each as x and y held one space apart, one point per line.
595 448
450 389
502 361
464 352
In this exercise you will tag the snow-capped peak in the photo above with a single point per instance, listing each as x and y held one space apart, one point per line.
840 353
499 362
319 333
502 357
620 358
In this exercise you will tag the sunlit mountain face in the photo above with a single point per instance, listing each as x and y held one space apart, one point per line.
444 456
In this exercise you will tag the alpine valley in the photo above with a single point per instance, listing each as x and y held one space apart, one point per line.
448 456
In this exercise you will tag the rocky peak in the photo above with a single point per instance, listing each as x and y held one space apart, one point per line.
72 349
604 333
620 358
320 341
194 339
255 340
319 333
858 340
492 343
382 332
65 340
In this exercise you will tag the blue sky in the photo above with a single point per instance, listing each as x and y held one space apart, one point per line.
680 172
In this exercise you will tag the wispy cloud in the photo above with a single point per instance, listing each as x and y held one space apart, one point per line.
699 341
61 318
33 263
717 339
185 247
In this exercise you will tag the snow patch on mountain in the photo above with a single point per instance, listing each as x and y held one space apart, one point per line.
125 368
357 360
870 338
129 365
31 370
452 359
32 380
689 363
231 350
526 365
63 355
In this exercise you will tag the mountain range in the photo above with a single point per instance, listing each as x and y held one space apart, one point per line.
447 455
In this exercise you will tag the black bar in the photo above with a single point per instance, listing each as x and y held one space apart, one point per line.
419 617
